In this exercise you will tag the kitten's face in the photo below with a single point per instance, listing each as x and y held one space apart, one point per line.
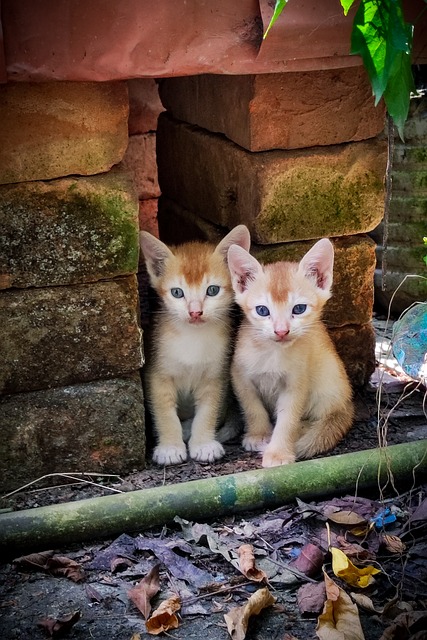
193 280
195 287
282 301
281 304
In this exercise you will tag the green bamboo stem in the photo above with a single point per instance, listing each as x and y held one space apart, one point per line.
199 500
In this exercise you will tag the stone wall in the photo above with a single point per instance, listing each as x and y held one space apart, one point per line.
71 396
295 157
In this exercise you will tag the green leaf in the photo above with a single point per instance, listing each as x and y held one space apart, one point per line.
397 93
346 5
280 5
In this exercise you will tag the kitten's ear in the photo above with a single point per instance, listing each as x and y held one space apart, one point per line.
155 253
239 235
243 268
318 264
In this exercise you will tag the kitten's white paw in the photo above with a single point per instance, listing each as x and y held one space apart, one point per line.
206 452
255 443
169 455
277 458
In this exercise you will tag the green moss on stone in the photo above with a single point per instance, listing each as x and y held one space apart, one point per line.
317 201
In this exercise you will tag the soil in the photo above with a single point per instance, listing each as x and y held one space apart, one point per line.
112 568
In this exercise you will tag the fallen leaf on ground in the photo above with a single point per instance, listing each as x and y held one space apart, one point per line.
56 565
55 627
340 617
347 518
354 550
311 597
93 594
393 543
310 560
145 590
346 570
407 626
164 618
247 563
237 619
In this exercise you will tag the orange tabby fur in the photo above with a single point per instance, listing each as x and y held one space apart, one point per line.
189 373
285 367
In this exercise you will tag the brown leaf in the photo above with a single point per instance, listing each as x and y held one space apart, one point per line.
93 594
393 543
56 565
145 590
164 618
347 518
237 619
310 560
412 625
340 617
247 563
354 550
119 564
55 627
311 597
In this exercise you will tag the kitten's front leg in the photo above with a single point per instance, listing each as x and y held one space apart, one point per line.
257 420
281 449
170 448
202 444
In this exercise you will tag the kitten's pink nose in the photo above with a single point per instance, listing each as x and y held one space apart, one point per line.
281 334
196 314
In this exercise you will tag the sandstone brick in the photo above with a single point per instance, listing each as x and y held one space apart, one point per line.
282 196
144 105
94 427
353 290
61 335
356 346
66 231
279 110
401 291
148 216
140 161
57 129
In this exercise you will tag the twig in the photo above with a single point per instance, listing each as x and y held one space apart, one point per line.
72 476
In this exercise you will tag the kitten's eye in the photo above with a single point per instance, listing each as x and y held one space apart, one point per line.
262 310
299 309
212 290
177 292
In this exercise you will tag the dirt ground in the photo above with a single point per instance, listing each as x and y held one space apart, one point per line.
94 595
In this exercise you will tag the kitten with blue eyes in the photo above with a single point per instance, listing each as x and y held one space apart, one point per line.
285 368
188 375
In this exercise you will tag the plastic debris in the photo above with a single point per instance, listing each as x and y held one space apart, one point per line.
409 341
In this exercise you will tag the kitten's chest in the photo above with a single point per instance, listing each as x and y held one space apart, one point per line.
195 351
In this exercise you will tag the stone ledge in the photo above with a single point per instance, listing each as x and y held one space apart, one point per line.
56 336
67 231
282 196
94 427
58 129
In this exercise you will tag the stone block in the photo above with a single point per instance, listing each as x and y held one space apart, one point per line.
282 196
96 427
278 110
356 347
144 105
67 231
57 336
401 290
53 129
353 289
140 161
148 216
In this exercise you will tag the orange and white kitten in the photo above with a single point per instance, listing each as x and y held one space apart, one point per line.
285 368
189 373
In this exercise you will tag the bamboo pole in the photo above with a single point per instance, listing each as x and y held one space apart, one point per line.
199 500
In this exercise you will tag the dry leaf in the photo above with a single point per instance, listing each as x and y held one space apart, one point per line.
63 566
35 560
247 563
311 597
347 518
364 601
354 550
55 627
346 570
310 560
237 619
164 618
393 543
145 590
340 617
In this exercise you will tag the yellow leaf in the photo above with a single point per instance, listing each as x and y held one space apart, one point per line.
237 619
340 617
346 570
